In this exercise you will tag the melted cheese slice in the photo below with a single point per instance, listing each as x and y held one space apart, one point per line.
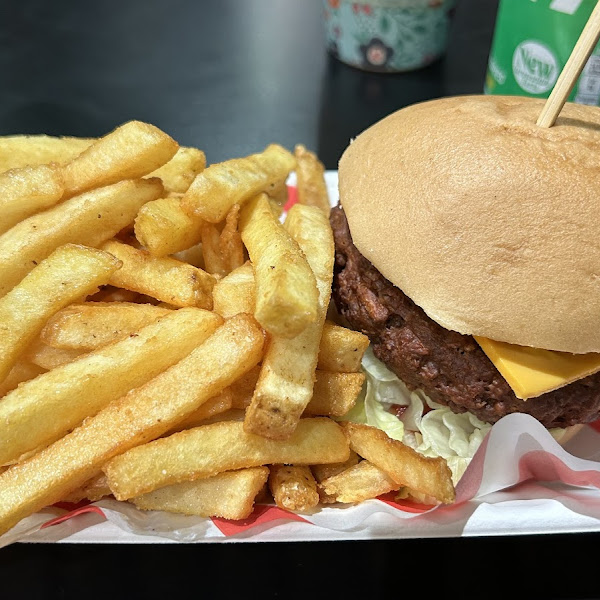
531 372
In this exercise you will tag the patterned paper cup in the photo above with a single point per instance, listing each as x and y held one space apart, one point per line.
387 35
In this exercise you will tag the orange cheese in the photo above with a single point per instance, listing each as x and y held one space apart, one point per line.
531 372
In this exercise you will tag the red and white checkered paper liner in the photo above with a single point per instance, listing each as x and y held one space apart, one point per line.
521 481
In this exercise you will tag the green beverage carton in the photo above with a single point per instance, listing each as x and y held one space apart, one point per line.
533 40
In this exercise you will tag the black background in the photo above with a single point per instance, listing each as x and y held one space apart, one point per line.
229 77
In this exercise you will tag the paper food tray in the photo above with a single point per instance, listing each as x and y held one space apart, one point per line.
521 481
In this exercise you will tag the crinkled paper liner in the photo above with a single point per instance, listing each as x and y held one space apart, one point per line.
520 481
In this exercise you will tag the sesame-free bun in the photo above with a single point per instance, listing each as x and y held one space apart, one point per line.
488 222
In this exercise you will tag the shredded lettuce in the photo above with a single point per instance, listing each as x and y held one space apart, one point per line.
454 437
438 432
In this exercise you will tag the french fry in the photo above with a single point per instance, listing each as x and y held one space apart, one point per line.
341 349
165 279
223 252
130 151
293 487
233 414
109 293
217 405
322 472
179 172
91 325
278 192
287 297
310 173
19 151
243 389
357 484
405 466
236 292
405 493
47 357
225 446
94 489
287 375
23 370
230 241
164 228
67 274
229 495
276 209
192 255
211 252
334 394
26 191
143 414
221 185
88 219
41 410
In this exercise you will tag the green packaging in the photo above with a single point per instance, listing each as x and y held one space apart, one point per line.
533 40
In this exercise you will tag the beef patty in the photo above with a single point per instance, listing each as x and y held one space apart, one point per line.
449 367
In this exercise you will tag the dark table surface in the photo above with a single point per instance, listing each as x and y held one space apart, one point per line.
231 76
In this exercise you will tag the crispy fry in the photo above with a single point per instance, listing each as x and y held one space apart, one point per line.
276 209
243 389
341 349
45 408
322 472
405 493
130 151
18 151
357 484
285 385
405 466
94 489
164 228
293 487
236 292
230 241
278 192
178 173
27 191
217 405
229 495
67 274
334 394
221 185
32 150
211 449
47 357
23 370
109 293
165 279
89 219
192 255
223 252
310 173
233 414
211 252
286 291
91 325
143 414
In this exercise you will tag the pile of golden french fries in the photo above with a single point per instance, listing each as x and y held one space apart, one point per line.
164 336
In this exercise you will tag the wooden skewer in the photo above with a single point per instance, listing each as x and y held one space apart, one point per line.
572 70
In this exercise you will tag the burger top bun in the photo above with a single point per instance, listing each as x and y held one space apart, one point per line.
488 222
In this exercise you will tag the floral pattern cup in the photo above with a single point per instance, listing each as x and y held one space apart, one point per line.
387 35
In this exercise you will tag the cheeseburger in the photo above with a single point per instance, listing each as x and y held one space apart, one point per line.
468 250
